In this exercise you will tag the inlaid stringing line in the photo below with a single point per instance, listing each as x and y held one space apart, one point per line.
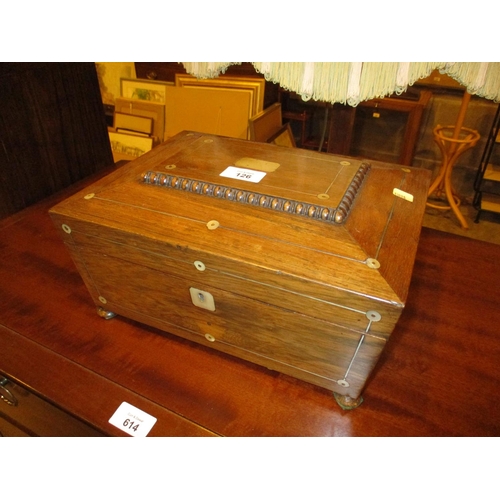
358 347
388 219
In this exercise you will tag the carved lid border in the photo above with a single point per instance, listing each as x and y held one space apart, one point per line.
336 215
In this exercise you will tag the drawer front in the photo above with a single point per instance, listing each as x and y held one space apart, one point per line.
33 416
8 429
274 333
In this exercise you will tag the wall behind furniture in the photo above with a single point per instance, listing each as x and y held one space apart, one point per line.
110 75
52 130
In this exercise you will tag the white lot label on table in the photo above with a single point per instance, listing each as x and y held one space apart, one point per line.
243 174
133 421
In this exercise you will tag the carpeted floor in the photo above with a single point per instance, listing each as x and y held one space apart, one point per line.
487 229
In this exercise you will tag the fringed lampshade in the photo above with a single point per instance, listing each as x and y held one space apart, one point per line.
353 82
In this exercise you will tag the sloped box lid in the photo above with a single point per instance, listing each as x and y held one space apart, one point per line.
338 221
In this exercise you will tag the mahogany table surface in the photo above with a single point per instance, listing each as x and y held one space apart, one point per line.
438 376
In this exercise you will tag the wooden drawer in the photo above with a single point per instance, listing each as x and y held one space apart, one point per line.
7 429
32 416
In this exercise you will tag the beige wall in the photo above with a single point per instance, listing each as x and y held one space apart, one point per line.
109 74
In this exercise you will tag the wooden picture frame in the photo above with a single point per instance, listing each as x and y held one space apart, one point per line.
256 86
127 123
128 146
153 110
208 110
144 90
266 123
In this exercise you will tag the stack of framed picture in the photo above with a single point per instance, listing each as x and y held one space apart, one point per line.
220 106
150 111
139 118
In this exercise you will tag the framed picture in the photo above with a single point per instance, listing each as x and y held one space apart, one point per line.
209 110
256 86
124 122
147 109
128 146
144 90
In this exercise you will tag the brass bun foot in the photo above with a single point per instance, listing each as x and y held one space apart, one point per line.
346 402
105 314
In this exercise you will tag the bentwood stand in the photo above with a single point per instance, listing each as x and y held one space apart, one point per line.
453 141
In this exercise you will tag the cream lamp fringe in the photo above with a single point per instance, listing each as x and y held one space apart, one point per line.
482 79
205 70
354 82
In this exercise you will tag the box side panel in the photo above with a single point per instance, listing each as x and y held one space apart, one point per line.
266 334
399 246
387 226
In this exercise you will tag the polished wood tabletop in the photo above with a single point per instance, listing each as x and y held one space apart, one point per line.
438 376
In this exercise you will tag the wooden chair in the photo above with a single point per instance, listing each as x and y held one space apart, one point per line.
291 113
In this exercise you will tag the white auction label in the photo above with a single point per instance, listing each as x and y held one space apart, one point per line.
402 194
243 174
131 420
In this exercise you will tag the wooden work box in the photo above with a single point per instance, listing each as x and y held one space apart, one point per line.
295 260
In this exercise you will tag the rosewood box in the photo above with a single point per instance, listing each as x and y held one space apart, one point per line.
295 260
